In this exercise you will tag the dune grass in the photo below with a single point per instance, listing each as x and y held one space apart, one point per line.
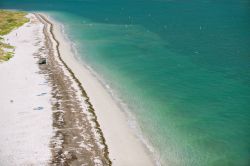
9 20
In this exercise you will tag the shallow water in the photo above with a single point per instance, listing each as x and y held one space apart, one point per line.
182 68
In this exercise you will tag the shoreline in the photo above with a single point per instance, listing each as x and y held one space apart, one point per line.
118 147
68 116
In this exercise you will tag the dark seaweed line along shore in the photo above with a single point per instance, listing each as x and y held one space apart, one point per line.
83 92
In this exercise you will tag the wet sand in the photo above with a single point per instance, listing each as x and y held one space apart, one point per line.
124 146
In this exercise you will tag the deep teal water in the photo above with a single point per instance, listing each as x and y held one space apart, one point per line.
182 67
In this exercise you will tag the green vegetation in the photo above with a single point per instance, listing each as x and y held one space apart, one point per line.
6 56
9 20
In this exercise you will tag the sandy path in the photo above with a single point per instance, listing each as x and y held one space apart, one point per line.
25 110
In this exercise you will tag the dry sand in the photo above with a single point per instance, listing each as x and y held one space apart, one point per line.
25 110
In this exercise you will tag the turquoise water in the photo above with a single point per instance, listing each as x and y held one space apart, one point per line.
182 67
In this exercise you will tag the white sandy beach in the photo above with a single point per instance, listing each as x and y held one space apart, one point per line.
25 106
25 110
124 146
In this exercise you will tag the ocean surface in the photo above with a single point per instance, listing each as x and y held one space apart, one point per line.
180 67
